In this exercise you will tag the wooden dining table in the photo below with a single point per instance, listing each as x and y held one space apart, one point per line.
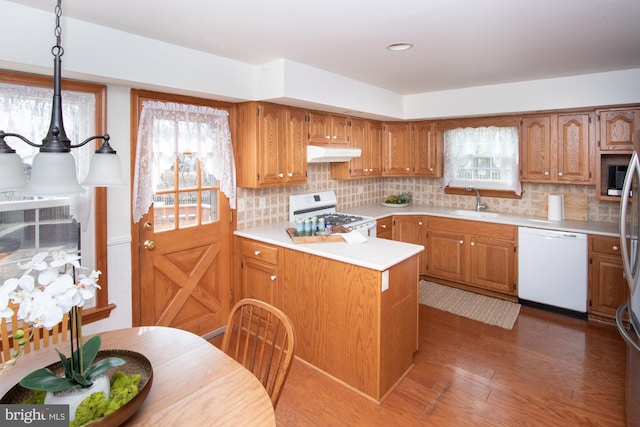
194 382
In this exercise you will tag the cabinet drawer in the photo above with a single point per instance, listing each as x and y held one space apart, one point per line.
475 228
605 245
261 251
384 225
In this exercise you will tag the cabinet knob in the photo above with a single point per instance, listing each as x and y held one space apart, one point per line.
408 169
461 241
559 173
420 223
615 247
273 278
327 137
290 174
383 226
256 253
546 173
430 169
335 136
473 243
280 175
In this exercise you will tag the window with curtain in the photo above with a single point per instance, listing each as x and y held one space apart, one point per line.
35 224
482 157
195 142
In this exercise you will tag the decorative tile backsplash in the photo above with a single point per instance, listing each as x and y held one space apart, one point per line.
269 205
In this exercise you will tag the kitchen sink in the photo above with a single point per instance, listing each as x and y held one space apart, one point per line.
475 214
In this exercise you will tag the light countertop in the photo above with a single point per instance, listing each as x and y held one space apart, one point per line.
376 254
589 227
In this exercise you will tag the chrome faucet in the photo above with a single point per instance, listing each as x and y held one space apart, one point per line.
479 205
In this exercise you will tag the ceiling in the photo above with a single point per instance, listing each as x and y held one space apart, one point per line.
457 43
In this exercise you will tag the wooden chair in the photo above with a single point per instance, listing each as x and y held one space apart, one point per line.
42 337
260 337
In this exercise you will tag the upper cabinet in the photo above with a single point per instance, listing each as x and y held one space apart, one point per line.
272 145
365 135
328 129
411 149
556 148
616 128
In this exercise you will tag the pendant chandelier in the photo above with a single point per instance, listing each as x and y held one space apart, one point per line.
53 171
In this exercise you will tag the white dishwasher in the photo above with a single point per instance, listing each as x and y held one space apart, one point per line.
552 268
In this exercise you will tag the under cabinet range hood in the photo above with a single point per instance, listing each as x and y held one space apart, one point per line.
323 154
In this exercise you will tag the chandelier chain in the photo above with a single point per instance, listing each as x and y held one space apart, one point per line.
58 31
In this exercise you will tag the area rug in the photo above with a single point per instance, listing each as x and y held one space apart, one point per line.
492 311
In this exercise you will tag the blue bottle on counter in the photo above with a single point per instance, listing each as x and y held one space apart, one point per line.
307 227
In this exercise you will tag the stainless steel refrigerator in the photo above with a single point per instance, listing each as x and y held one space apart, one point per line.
629 234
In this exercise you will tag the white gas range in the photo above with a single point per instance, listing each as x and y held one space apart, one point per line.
323 204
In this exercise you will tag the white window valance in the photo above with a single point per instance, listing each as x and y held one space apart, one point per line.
167 129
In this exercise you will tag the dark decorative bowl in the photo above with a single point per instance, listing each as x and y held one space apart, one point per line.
135 363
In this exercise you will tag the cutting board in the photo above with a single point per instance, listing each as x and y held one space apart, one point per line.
576 206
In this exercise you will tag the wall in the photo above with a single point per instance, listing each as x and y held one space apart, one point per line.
264 206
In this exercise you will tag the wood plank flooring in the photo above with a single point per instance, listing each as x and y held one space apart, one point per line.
549 370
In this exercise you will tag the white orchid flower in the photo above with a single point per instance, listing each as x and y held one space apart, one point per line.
88 285
37 263
45 311
26 283
6 290
60 258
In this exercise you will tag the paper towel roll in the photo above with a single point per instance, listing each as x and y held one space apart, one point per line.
556 207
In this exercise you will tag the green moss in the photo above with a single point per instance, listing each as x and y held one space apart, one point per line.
123 388
36 398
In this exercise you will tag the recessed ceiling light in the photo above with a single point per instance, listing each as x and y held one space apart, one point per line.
399 46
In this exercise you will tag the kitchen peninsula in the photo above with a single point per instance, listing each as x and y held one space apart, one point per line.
354 307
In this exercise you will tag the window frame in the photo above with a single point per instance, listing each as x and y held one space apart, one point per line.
102 309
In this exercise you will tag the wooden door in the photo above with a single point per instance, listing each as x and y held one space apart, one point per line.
412 229
181 249
535 149
492 264
396 149
424 149
373 166
574 162
295 146
617 128
446 255
358 139
270 137
339 130
319 129
608 288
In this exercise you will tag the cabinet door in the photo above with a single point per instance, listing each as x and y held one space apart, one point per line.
396 149
295 146
411 229
535 149
384 228
373 156
270 139
573 157
319 128
358 139
608 288
259 280
446 255
617 128
492 264
339 130
424 148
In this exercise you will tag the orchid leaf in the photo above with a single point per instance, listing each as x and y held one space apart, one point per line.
65 364
45 379
90 350
102 366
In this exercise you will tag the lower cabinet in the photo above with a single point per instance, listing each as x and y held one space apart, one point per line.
472 253
412 229
384 228
259 271
607 284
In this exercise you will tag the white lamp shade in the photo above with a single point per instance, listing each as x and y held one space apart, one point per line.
11 172
104 171
53 174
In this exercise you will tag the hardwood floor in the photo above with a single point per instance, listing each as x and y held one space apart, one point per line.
549 370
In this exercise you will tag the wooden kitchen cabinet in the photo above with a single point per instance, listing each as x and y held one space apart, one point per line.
615 130
412 229
475 254
557 148
384 228
411 149
272 143
607 284
328 129
365 135
259 271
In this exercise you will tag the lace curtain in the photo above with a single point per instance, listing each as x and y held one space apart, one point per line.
484 157
27 110
167 129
